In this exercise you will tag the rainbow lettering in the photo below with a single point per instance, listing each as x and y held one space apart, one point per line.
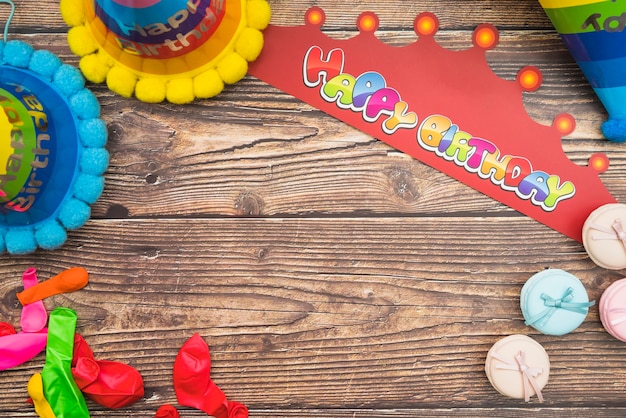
370 95
367 93
438 134
27 149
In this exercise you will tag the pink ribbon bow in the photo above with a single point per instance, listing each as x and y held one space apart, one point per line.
620 319
528 373
616 232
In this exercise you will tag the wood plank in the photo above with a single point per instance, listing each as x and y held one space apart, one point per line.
265 153
285 158
331 275
393 313
32 17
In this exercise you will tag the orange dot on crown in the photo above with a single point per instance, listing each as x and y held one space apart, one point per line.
367 22
486 36
426 24
529 78
564 123
315 16
599 162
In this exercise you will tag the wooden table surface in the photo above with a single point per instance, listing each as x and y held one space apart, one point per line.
331 275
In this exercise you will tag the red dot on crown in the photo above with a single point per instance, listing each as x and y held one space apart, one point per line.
315 16
599 162
529 78
367 22
486 36
564 123
426 24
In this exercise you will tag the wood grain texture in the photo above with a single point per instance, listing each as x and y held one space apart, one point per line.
331 275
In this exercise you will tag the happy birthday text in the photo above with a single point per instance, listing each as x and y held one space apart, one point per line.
369 95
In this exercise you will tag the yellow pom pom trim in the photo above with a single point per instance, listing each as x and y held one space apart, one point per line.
259 14
150 90
72 12
80 40
180 91
121 81
208 84
249 44
227 67
232 68
93 68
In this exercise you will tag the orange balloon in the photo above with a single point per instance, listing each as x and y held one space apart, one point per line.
69 280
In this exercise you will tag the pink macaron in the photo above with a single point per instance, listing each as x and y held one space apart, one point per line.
612 309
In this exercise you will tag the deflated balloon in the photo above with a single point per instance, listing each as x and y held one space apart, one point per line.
6 329
111 384
16 349
34 315
167 411
193 384
60 389
35 390
69 280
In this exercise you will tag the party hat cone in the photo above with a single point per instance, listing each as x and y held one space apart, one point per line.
52 148
175 50
593 31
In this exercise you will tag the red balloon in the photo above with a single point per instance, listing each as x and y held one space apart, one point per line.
193 384
6 329
167 411
109 383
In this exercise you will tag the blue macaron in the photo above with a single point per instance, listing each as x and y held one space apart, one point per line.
554 302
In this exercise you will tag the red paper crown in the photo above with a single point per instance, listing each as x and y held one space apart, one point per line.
445 108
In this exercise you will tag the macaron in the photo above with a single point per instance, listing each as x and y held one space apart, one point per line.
554 302
613 309
604 236
518 367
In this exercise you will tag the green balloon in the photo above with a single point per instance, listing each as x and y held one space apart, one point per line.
60 389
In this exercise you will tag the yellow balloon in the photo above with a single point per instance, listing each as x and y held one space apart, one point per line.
35 390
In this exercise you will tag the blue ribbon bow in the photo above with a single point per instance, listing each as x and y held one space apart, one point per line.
563 303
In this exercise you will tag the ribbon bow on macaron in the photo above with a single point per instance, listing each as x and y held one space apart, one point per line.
619 320
528 373
619 230
564 302
615 232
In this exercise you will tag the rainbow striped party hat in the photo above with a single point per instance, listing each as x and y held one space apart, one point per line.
593 31
175 50
52 147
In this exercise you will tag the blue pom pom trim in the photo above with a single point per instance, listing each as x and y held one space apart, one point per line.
45 63
17 54
88 181
615 130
